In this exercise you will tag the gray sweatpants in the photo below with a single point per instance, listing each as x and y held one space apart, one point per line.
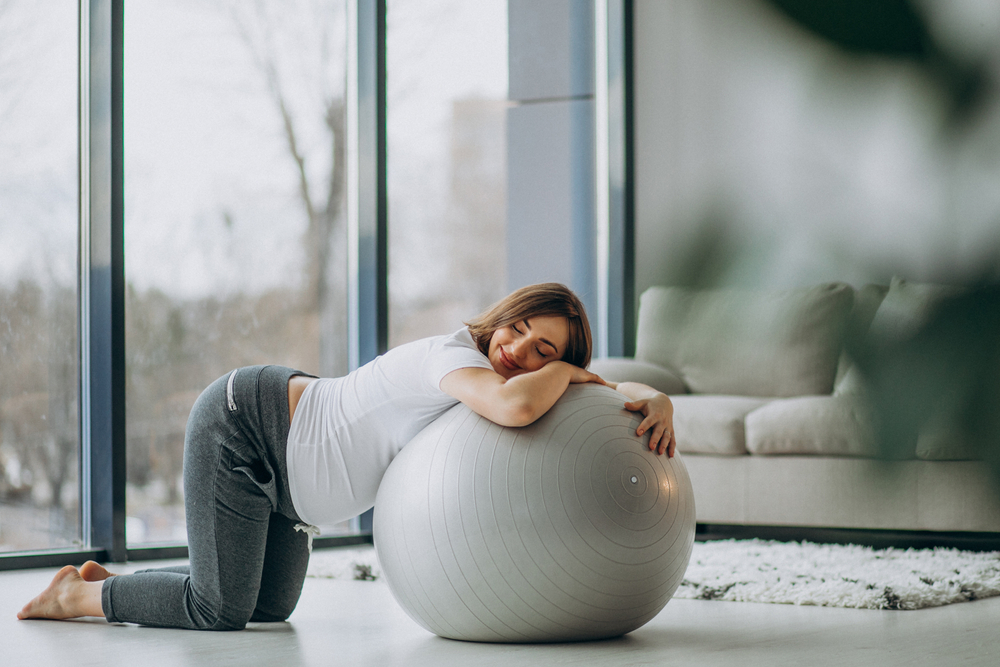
247 561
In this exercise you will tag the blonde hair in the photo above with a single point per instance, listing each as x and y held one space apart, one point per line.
544 299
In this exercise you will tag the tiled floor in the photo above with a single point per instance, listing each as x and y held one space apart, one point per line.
358 623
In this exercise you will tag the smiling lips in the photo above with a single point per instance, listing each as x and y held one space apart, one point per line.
508 363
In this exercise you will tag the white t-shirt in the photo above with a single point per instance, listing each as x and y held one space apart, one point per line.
346 431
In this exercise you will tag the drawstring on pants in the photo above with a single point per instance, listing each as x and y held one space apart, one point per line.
310 531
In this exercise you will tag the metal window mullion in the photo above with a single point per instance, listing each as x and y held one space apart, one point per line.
614 192
83 266
102 278
366 180
367 297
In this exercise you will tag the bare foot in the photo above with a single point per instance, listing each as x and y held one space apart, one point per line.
68 596
91 571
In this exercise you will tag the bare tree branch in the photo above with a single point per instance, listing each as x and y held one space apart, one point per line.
273 48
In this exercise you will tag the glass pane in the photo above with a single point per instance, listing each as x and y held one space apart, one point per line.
39 430
235 237
446 125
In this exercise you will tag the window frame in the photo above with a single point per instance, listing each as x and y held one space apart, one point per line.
614 185
101 268
101 271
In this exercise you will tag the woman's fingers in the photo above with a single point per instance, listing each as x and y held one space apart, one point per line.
656 441
661 438
655 430
666 444
661 435
647 424
658 418
637 406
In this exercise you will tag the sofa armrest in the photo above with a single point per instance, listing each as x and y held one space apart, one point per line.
623 369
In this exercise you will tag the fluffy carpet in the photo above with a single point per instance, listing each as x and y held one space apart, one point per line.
833 575
803 573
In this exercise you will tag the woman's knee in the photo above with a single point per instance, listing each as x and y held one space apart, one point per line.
272 615
274 606
227 619
229 624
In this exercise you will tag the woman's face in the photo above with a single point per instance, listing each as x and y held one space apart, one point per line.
528 345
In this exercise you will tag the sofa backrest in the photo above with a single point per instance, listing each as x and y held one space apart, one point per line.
746 343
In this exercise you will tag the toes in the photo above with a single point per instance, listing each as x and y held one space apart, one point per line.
91 571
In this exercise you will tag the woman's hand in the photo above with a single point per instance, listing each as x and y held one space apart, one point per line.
658 413
658 422
579 375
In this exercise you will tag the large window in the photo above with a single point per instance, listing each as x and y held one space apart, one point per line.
446 90
235 231
39 432
210 142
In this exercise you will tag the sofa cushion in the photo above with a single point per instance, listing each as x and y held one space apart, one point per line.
712 424
621 369
820 425
746 343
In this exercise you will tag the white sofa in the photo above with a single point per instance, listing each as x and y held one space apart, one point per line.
771 418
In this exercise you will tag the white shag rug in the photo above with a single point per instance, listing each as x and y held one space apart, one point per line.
833 575
804 573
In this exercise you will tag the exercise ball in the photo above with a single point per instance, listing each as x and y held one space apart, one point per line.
565 530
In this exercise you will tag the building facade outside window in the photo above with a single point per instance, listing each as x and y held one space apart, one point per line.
446 91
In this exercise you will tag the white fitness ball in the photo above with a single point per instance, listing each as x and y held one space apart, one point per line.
568 529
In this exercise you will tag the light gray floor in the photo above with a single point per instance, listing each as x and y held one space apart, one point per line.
358 623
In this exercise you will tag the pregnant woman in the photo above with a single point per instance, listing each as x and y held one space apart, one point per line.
271 452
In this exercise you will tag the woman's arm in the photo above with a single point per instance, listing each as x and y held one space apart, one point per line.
517 401
658 412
